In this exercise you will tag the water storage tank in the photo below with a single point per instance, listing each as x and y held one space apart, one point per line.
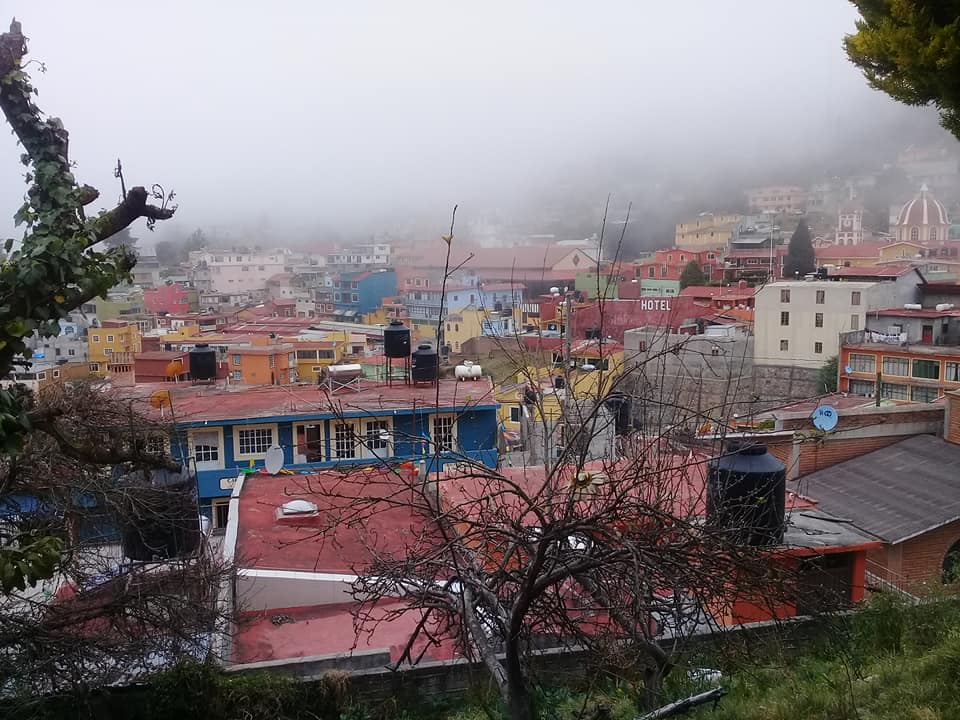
746 493
158 517
424 364
203 362
468 370
396 340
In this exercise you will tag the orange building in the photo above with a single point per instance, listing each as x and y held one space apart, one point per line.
267 361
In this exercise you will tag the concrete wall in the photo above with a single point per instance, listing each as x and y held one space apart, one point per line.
690 378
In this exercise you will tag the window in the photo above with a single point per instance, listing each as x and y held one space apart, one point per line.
784 345
95 338
854 322
236 359
109 338
818 347
951 372
896 366
336 297
354 298
928 369
443 431
206 449
920 393
254 441
914 234
855 297
71 352
237 375
784 296
894 391
862 387
155 445
94 367
344 441
56 373
818 320
515 412
41 376
354 285
219 513
261 268
245 268
377 437
651 272
291 359
785 318
108 351
272 361
863 363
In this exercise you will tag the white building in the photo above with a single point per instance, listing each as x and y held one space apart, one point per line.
231 271
922 219
798 323
364 256
850 223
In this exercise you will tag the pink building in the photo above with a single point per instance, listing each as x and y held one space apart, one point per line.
173 298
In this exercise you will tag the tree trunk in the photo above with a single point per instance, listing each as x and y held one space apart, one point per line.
519 699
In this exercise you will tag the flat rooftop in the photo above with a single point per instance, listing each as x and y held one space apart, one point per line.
908 349
203 403
342 536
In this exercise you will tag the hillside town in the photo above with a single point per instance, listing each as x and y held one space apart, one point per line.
412 467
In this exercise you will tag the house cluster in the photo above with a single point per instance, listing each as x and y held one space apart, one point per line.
282 375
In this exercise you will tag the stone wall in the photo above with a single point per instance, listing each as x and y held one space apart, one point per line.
782 383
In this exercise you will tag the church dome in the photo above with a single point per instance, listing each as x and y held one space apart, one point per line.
923 210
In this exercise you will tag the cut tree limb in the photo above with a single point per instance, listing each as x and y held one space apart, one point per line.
682 706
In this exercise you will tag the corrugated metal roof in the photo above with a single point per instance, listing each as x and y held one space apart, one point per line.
895 493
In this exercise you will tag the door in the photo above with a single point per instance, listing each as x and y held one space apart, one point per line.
309 444
927 338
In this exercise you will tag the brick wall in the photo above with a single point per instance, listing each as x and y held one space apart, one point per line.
952 429
922 557
820 453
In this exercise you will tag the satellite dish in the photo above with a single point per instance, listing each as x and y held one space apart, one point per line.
273 461
848 369
825 418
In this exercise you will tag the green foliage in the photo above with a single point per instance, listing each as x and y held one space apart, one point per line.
911 51
692 275
800 259
827 376
53 271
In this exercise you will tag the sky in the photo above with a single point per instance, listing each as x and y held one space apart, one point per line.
319 118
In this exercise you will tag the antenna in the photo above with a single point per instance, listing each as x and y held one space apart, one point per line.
273 461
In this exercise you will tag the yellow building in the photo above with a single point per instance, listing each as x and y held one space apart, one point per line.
707 230
472 322
113 343
314 355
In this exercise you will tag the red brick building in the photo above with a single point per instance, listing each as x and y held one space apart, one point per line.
173 298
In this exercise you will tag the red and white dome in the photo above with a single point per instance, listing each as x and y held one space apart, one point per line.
922 211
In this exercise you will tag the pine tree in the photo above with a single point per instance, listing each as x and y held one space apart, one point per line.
800 259
692 275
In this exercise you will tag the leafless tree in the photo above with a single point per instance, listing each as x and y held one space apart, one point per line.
102 618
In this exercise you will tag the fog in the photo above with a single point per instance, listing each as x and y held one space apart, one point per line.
311 121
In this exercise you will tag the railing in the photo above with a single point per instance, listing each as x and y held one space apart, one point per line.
883 579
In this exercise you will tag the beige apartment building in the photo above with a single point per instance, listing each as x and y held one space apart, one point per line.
797 326
778 199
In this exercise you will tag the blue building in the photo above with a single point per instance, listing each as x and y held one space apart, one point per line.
355 294
224 432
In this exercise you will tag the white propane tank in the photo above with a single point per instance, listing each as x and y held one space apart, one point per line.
913 306
943 307
468 370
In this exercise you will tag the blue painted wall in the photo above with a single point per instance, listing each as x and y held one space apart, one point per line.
371 288
476 439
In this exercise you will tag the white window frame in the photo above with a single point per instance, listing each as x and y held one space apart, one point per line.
254 455
348 453
193 437
109 338
452 418
372 448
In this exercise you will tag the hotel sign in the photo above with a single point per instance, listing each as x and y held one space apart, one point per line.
661 304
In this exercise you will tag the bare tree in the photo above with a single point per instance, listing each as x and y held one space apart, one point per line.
102 618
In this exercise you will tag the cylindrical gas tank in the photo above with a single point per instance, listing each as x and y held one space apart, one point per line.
468 370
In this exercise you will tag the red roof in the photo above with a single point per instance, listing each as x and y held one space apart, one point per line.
841 252
886 270
196 403
924 313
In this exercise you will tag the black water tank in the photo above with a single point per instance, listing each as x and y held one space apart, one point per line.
593 334
158 515
396 340
203 362
746 493
424 364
